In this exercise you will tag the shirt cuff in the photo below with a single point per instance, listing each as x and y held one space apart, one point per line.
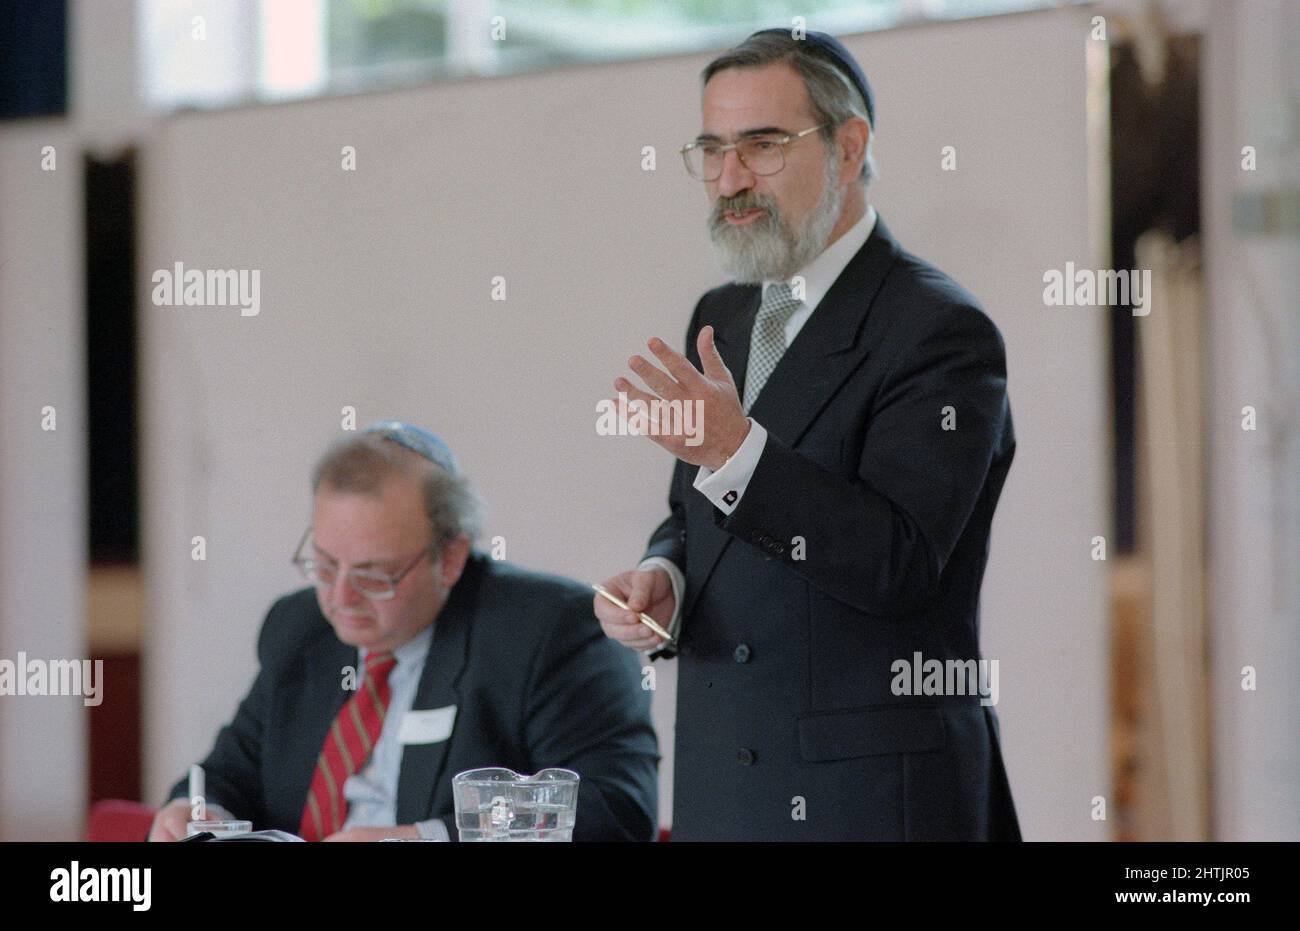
726 486
678 582
433 829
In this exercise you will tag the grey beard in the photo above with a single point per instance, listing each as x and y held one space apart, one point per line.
767 249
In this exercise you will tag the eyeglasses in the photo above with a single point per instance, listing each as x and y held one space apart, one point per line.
763 155
375 585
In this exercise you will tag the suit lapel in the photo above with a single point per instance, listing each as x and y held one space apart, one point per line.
821 356
422 764
812 369
732 334
321 700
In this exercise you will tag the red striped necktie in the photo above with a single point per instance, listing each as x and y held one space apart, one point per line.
348 745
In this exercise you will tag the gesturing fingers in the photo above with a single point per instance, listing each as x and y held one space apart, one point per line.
649 410
655 378
679 366
632 392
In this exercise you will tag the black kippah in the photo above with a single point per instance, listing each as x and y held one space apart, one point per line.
832 50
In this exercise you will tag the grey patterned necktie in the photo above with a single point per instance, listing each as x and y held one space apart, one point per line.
767 342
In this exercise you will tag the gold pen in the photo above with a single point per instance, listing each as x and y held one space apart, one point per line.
646 619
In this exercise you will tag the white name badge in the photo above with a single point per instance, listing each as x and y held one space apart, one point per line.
427 727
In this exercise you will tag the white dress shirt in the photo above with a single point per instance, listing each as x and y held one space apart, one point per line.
371 793
725 487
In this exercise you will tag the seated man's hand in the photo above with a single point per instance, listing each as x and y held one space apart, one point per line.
170 822
364 834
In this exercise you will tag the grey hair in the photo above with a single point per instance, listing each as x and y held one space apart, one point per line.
362 464
834 98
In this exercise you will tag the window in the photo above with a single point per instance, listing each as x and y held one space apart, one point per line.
203 53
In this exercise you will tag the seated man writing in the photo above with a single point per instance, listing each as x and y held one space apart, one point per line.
414 658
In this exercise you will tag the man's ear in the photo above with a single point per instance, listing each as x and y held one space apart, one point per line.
452 564
852 140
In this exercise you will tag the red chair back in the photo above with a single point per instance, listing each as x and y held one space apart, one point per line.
116 819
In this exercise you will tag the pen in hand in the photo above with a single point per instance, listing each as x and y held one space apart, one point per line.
198 806
645 619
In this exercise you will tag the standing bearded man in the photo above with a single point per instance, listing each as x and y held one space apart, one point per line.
834 522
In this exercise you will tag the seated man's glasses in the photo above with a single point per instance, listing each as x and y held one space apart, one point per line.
321 570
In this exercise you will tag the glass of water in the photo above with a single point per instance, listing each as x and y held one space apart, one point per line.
497 804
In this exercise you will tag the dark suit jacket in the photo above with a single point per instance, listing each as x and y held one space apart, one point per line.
784 701
536 684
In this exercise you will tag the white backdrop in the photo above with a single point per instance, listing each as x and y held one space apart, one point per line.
376 293
42 478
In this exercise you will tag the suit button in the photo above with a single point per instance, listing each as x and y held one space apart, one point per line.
742 653
745 756
682 536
